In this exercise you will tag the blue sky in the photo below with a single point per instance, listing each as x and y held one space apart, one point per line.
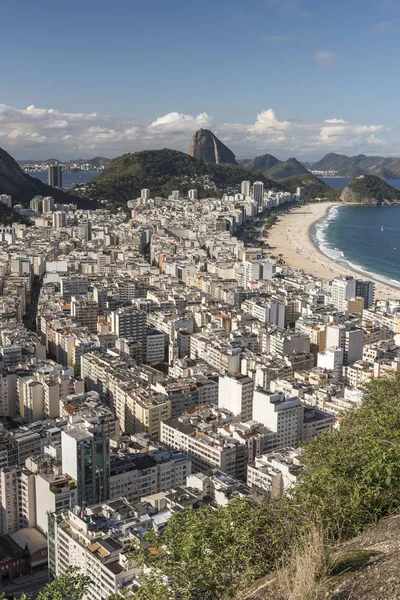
265 75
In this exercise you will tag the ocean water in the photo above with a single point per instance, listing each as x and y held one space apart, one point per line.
68 179
365 239
341 182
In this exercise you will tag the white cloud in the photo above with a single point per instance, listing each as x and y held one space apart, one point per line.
348 135
267 124
178 122
325 59
35 132
335 121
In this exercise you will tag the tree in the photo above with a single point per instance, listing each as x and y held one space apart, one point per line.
70 586
353 473
207 554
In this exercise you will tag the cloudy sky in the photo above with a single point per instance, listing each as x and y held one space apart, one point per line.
288 77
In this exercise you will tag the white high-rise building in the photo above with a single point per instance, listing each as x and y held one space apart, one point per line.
77 539
342 290
129 323
47 205
59 219
245 188
145 194
17 499
331 359
351 341
235 393
193 194
285 417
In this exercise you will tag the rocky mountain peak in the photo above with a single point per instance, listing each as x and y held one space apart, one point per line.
207 147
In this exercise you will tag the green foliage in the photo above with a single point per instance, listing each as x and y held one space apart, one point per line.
288 168
370 188
8 216
353 477
165 170
313 187
352 481
70 586
208 554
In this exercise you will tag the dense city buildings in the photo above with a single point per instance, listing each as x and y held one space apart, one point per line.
156 360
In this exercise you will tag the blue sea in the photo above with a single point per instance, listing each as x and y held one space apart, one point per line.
341 182
365 239
68 179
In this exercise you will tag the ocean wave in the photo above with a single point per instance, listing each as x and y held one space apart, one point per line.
321 240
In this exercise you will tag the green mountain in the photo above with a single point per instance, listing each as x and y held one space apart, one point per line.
370 189
273 168
313 187
286 168
353 166
262 163
165 170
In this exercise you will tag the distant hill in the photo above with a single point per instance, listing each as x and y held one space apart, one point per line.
313 187
286 168
207 147
353 166
22 187
262 163
165 170
370 189
273 168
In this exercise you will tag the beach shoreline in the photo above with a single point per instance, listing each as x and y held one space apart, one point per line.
292 237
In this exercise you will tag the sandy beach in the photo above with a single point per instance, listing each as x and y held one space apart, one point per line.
291 238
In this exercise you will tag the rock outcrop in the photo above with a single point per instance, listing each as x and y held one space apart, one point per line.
207 147
364 568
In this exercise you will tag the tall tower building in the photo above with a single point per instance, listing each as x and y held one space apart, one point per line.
54 174
245 188
36 203
86 458
85 230
59 219
47 204
258 192
366 290
193 195
145 194
129 323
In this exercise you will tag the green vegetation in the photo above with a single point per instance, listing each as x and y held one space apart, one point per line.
352 481
314 187
351 561
287 168
370 189
271 167
8 216
70 586
165 170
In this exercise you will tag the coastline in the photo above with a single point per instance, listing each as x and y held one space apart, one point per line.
291 237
